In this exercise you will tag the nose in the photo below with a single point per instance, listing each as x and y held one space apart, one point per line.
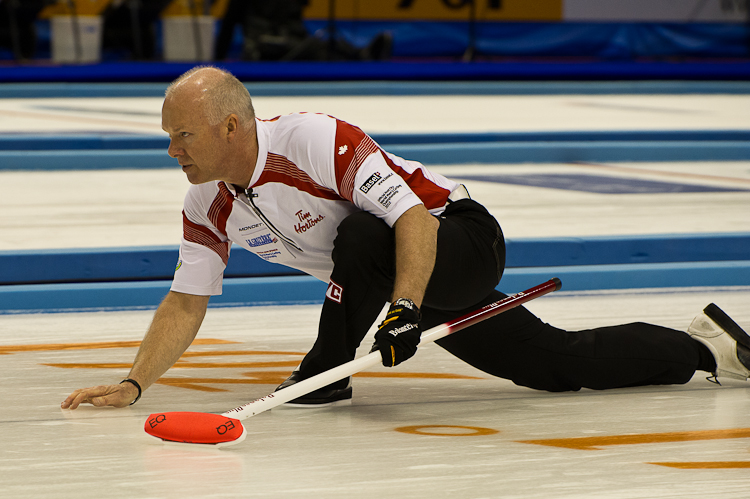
173 150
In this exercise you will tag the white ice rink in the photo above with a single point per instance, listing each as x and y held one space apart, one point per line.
433 427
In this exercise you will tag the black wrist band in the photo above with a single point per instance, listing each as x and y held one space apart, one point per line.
406 302
134 383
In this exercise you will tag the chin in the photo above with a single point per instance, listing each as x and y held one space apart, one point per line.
195 179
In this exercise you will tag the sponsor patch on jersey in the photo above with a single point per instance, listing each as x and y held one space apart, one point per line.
269 255
261 240
249 227
370 182
334 292
386 198
386 178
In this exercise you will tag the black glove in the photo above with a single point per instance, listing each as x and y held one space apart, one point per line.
398 335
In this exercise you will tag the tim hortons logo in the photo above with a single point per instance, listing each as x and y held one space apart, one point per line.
334 292
306 221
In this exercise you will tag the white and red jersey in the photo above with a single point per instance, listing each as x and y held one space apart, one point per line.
312 171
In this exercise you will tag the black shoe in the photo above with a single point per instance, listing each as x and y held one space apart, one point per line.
338 393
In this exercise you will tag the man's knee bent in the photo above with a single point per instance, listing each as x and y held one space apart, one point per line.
362 235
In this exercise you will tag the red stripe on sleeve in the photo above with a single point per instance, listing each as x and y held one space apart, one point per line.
202 235
221 208
351 147
432 195
280 169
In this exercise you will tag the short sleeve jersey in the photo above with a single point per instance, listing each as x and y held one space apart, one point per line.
312 171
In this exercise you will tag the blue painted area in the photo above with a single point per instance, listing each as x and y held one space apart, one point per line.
567 152
139 295
507 70
307 290
147 295
431 154
80 297
87 265
116 265
93 142
623 250
600 184
158 262
339 88
110 159
564 136
106 141
632 276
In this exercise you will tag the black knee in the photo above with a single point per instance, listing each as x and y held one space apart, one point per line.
364 237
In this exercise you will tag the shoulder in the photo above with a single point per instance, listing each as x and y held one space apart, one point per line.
201 193
303 138
300 126
198 201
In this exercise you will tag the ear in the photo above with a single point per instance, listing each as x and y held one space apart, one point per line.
231 127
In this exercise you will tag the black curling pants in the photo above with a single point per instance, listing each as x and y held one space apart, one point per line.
515 344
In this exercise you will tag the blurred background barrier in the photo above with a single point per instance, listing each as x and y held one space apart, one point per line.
501 31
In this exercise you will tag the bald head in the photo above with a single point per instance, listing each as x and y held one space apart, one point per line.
210 120
218 91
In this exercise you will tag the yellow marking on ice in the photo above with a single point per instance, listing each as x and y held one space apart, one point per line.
468 431
239 352
178 365
273 376
277 377
593 443
253 378
42 347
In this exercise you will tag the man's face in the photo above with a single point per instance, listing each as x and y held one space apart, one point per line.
197 145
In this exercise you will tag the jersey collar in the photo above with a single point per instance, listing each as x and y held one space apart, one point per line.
263 134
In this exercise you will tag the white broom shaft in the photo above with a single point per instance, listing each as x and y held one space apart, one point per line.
304 387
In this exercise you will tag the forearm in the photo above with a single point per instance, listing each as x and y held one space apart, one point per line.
174 327
175 324
416 250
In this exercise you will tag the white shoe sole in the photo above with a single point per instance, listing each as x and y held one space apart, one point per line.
337 403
